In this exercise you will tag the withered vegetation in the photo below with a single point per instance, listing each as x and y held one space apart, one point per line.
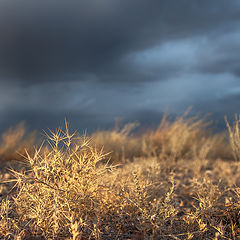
180 181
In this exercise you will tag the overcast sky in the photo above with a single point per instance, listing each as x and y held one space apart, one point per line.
92 61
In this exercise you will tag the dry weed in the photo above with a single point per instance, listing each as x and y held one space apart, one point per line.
119 142
62 183
176 140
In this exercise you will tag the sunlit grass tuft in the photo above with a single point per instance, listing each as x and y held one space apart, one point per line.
62 185
119 142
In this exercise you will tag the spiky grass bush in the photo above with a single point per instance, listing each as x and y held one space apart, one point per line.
61 194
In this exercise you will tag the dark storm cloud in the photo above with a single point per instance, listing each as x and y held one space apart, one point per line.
57 40
221 54
229 102
94 60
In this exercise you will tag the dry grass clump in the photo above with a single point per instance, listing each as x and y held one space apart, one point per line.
145 205
187 138
234 135
119 142
15 141
219 147
181 138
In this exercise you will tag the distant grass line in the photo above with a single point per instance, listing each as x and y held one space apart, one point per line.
185 137
172 140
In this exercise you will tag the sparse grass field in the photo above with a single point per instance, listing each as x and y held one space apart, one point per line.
180 181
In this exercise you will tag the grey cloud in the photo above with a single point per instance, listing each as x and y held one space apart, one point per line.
230 103
46 41
60 97
94 60
220 54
